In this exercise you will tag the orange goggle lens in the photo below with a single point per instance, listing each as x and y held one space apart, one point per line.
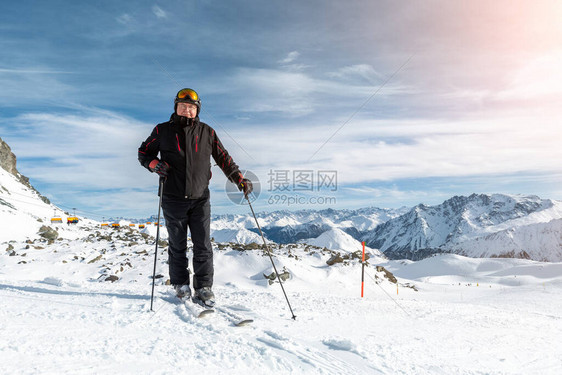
188 93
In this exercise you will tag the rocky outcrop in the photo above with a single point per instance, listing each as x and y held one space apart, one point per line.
7 158
336 258
8 162
48 233
386 274
272 277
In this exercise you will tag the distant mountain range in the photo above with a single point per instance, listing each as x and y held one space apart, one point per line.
293 226
479 225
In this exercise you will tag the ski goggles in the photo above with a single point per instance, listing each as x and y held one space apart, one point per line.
187 94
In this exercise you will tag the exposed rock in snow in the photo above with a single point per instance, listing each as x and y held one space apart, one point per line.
8 162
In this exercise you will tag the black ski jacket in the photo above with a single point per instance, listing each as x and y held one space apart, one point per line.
187 145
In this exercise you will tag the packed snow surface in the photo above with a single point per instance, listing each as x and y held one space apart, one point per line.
59 315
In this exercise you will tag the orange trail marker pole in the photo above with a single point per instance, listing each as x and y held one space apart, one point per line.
363 271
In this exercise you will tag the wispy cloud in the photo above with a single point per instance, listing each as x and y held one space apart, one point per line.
291 56
299 93
269 90
38 85
81 154
34 71
159 12
372 150
536 78
363 71
125 19
393 196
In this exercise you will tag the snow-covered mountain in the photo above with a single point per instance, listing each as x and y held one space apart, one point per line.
540 241
479 225
23 210
335 239
293 226
496 225
338 240
242 235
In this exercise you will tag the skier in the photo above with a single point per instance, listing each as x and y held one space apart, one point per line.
185 145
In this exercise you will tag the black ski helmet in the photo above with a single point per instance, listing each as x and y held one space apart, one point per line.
187 96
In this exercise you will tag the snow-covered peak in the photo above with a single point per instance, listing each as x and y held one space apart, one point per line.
242 236
428 229
336 239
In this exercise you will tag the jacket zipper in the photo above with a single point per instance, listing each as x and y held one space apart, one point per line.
190 188
191 170
186 163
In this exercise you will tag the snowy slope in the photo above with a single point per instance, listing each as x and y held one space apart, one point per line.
338 240
22 211
242 236
541 241
59 315
335 239
451 268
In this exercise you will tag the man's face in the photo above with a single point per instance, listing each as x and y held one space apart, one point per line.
187 110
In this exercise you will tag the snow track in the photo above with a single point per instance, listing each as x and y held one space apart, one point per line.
102 327
470 316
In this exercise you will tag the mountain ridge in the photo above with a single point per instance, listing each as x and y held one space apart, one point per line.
426 230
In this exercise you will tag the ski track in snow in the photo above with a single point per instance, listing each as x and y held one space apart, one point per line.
65 330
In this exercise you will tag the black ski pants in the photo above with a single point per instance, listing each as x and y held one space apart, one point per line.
195 214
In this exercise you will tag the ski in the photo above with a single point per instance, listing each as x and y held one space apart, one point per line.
208 309
234 318
196 306
205 313
244 322
202 310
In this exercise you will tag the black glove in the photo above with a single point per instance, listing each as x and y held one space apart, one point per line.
161 168
246 186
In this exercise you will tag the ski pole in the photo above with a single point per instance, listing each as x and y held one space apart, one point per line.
160 193
270 257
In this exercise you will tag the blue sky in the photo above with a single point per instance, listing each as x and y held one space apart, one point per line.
407 102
